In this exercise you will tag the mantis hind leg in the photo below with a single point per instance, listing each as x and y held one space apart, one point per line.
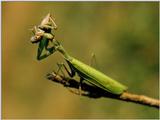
93 61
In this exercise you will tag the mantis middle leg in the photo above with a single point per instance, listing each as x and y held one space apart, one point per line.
71 73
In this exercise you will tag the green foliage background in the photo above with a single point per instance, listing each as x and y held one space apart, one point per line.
123 35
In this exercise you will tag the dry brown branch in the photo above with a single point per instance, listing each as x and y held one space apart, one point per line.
95 92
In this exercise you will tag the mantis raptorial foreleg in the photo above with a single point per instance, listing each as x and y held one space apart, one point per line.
40 50
44 45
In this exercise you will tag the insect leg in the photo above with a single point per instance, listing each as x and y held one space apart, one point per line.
60 65
55 26
80 85
70 73
93 60
43 44
50 47
60 68
40 49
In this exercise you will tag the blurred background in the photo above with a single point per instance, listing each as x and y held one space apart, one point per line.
123 35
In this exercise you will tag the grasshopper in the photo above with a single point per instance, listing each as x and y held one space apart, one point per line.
84 71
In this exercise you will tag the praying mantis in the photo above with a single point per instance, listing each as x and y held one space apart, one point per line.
45 37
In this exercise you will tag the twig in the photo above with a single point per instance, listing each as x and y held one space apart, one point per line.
95 92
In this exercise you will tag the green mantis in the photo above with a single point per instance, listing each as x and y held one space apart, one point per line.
44 36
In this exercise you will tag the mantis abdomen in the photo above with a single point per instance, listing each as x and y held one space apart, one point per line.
97 78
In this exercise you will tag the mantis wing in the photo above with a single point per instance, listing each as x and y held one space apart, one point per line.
97 78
